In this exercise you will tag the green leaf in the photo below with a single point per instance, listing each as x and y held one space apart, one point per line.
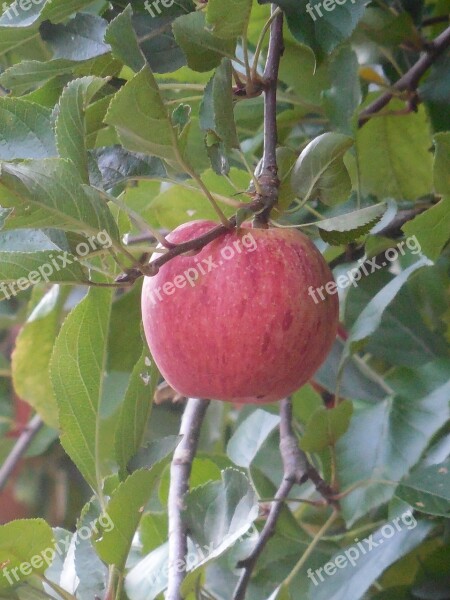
358 570
431 229
250 436
141 119
370 318
20 542
70 123
441 174
91 572
31 357
11 38
153 531
136 409
402 338
27 74
26 14
21 270
122 39
394 155
179 204
351 226
216 110
53 189
219 513
228 20
203 50
344 96
26 130
80 39
117 165
125 511
320 171
385 440
322 29
326 426
427 489
76 370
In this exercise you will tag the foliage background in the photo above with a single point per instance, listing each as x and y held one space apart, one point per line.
101 106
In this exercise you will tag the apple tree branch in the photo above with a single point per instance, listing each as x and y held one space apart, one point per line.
180 472
296 470
410 80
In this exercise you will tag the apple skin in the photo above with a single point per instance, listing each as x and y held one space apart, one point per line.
246 330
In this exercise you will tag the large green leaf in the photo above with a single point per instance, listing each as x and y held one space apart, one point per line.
21 542
431 228
349 227
122 39
371 316
219 513
344 96
27 74
70 123
31 357
136 409
216 110
326 426
358 569
250 436
80 39
26 14
26 130
203 50
125 511
402 337
320 171
77 370
385 440
394 155
141 119
230 19
319 27
53 189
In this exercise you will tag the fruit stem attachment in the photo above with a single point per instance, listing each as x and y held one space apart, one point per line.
180 471
268 178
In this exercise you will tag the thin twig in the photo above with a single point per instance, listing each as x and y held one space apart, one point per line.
411 78
20 447
297 470
195 244
179 485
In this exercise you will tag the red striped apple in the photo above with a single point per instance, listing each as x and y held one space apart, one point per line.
237 321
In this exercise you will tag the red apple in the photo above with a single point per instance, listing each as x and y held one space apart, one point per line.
237 321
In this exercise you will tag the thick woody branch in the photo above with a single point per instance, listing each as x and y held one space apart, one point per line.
268 178
180 472
411 79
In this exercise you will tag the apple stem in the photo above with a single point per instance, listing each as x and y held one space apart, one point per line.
180 471
297 470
